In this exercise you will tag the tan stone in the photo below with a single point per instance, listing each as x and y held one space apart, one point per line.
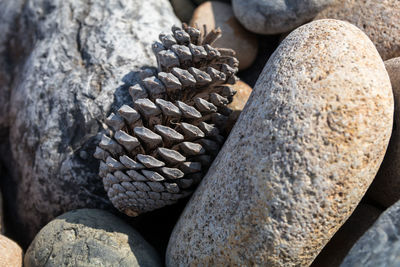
386 186
337 248
243 91
10 253
379 19
299 159
217 14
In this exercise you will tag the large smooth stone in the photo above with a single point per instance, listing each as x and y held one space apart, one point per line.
89 237
276 16
183 9
82 59
380 20
380 245
299 159
215 14
10 253
386 186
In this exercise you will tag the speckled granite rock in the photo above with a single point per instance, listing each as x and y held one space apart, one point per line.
386 186
89 237
301 156
81 66
337 248
276 16
380 245
215 14
10 253
380 20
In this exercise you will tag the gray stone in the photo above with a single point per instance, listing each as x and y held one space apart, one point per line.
300 157
89 237
386 186
276 16
83 60
380 245
183 9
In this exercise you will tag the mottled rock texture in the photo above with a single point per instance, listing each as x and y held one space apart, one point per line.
215 14
10 253
386 186
301 156
89 237
82 58
380 245
276 16
380 20
337 248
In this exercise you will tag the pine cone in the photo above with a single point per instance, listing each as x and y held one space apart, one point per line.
161 146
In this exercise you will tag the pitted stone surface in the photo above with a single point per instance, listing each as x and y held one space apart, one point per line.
80 67
380 20
276 16
301 156
89 237
380 245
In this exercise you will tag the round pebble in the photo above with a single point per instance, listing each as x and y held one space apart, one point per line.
276 16
10 253
89 237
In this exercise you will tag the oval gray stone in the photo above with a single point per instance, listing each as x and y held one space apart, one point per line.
89 237
276 16
380 245
301 156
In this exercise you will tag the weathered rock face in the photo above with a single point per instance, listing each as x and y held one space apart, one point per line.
81 65
337 248
89 237
10 253
276 16
215 14
380 245
302 154
386 186
380 20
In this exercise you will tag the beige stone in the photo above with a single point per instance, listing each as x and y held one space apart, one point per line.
243 91
386 186
10 253
217 14
379 19
301 156
337 248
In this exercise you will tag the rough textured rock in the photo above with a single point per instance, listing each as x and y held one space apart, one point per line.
302 154
10 253
89 237
380 20
386 186
276 16
215 14
183 9
337 248
243 91
380 245
83 61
